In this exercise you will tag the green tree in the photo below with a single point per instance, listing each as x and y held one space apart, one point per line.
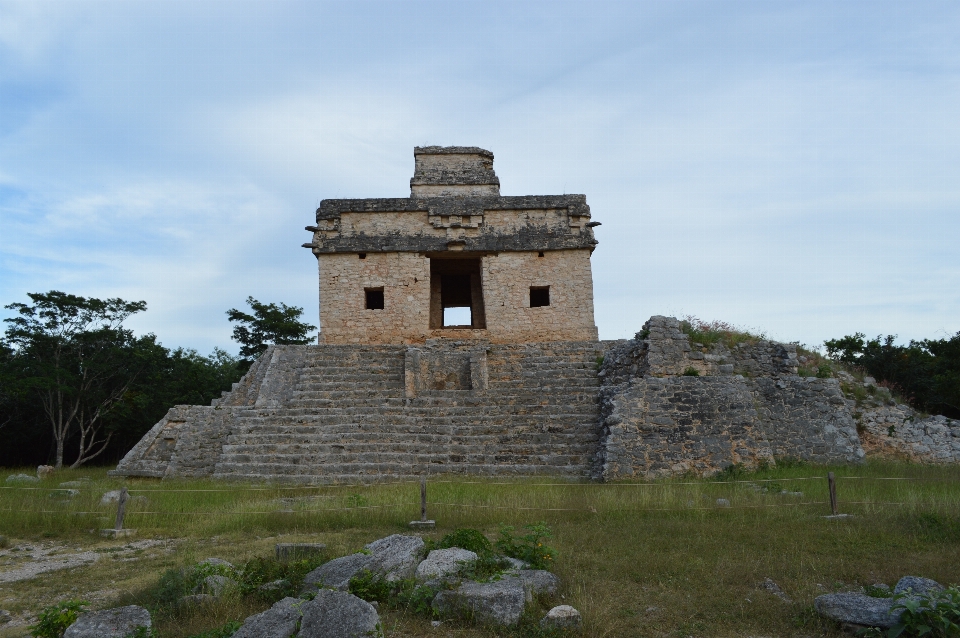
926 373
74 355
269 324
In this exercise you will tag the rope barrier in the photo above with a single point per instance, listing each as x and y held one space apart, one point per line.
326 486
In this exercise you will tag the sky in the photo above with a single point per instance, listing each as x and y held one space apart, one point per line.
787 167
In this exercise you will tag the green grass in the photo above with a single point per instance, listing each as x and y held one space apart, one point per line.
637 559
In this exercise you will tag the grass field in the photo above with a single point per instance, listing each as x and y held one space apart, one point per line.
657 558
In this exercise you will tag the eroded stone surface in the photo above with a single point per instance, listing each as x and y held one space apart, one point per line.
110 623
337 573
280 621
395 557
335 614
856 609
498 603
441 563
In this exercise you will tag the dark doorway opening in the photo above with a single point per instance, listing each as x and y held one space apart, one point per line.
456 295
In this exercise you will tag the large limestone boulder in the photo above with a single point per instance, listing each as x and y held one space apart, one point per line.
109 623
22 478
443 563
336 574
337 614
538 582
856 609
497 603
280 621
395 557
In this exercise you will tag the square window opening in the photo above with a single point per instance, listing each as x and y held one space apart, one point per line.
374 298
362 255
539 296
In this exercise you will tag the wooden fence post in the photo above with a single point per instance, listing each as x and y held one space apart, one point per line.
833 492
121 509
423 523
423 498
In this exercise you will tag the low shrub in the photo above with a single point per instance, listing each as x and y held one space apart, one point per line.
934 614
469 539
54 620
528 547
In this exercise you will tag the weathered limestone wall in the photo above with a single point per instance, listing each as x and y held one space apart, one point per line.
905 432
665 426
506 281
405 279
507 278
746 406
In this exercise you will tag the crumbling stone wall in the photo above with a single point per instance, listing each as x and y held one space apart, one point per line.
905 432
746 405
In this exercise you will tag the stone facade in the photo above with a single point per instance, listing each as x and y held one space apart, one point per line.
390 267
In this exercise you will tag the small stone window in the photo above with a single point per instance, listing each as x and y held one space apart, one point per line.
362 255
374 298
539 296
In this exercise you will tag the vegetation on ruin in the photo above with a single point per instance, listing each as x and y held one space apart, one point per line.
652 558
709 333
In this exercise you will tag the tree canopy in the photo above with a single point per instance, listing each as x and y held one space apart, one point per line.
926 373
269 324
76 385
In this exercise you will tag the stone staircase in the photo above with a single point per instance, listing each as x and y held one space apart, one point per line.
347 413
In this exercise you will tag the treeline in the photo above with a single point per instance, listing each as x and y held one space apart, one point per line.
925 373
76 386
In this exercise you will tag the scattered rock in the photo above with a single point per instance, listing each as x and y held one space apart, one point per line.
774 589
337 573
917 584
43 471
297 551
5 616
216 585
110 623
22 478
538 582
395 557
64 493
561 617
441 563
280 621
723 502
74 483
497 603
336 614
856 609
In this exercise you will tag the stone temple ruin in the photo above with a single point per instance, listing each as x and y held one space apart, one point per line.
457 336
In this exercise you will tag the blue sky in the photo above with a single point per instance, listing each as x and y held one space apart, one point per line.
787 166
